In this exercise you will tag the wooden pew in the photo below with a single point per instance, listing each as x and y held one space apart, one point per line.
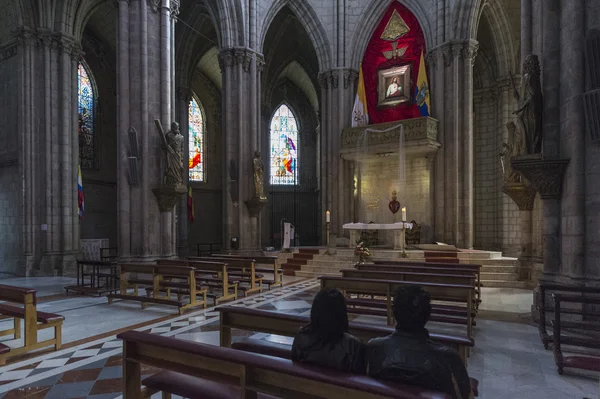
386 288
204 274
33 321
544 289
160 280
288 325
191 369
581 362
239 268
454 268
272 261
400 275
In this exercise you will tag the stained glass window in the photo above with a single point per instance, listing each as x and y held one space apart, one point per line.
86 111
284 147
196 140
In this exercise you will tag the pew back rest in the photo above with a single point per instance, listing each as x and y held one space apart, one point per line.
217 267
262 260
231 262
270 373
470 266
437 291
288 325
410 276
416 269
19 295
173 271
137 268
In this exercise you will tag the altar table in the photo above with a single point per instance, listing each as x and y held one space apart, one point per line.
398 228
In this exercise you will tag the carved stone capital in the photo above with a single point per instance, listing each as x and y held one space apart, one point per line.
242 57
154 5
323 79
447 55
184 94
260 63
350 77
431 58
333 80
225 59
76 52
174 9
546 175
469 51
24 36
522 194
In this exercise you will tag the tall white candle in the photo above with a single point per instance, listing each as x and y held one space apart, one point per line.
327 216
403 214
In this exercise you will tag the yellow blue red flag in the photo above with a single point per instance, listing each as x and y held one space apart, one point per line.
422 97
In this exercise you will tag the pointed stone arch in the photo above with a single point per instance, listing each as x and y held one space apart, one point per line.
370 20
309 18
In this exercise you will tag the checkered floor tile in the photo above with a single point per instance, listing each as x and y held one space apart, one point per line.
94 370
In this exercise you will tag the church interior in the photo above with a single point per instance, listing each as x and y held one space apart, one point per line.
180 178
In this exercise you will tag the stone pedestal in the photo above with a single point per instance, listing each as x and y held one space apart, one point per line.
546 175
255 205
168 196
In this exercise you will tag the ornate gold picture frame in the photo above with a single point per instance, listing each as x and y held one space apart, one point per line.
394 85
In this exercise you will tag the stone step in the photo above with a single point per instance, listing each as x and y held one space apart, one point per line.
501 262
323 269
466 257
498 269
499 276
301 273
503 284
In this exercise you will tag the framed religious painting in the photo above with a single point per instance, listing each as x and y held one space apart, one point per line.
394 85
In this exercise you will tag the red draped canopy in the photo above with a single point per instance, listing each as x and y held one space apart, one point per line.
374 60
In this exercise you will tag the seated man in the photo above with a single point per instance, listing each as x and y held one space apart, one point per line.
408 356
325 340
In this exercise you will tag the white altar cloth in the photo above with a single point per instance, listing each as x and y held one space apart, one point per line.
377 226
399 232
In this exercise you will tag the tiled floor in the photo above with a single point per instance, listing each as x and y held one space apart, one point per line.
508 359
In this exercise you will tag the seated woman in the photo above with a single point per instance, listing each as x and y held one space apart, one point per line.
325 341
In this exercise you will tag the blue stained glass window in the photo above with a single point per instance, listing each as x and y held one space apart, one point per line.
196 141
86 104
284 147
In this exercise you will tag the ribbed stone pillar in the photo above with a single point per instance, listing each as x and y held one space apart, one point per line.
184 97
526 28
240 69
145 56
469 52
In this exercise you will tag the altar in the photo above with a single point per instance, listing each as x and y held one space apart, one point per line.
399 229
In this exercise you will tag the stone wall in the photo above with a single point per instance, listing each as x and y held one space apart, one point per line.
378 178
10 178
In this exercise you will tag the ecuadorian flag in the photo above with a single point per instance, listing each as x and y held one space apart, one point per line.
80 192
422 98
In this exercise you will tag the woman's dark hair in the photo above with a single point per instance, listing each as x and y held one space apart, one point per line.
412 308
329 315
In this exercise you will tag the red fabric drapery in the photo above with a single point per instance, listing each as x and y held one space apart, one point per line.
374 60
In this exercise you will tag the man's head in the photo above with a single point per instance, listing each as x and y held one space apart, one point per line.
175 127
412 307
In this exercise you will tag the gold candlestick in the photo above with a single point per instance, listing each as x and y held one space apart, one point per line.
404 254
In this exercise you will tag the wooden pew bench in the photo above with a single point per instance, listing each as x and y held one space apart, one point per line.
209 371
273 267
385 288
212 274
241 269
543 309
399 275
288 325
452 268
161 280
32 318
592 362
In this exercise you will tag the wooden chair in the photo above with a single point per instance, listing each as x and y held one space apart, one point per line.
33 321
591 363
546 288
195 370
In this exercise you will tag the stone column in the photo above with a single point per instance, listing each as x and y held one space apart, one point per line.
469 52
435 64
526 28
573 138
144 59
184 96
336 108
240 70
